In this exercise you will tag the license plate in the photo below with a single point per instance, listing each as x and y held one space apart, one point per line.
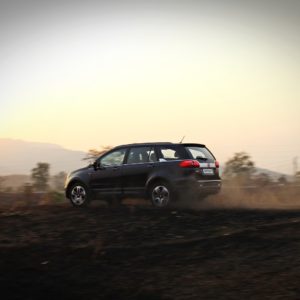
208 172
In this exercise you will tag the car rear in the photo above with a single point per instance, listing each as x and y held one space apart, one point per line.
200 170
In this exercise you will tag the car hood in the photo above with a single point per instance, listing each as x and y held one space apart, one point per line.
79 170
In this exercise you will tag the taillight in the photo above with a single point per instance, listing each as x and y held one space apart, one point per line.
217 164
189 164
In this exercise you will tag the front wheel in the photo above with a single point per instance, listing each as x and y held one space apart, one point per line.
160 194
79 195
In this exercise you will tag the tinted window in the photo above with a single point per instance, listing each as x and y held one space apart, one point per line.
141 155
152 156
199 153
114 158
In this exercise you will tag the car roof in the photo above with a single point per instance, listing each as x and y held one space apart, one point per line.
193 144
158 143
144 144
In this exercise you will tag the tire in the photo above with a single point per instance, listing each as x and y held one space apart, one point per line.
160 194
79 195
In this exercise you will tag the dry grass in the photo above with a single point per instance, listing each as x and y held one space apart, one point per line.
27 201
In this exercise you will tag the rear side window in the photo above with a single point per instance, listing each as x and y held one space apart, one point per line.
200 153
141 155
167 153
152 156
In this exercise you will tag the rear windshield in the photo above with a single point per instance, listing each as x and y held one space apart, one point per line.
200 153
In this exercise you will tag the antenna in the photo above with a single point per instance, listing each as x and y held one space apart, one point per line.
182 139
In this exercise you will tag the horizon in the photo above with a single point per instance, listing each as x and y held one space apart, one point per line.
43 144
221 73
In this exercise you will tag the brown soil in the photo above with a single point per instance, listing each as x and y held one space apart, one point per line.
134 252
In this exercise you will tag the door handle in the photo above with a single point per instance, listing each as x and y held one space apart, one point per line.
115 168
151 165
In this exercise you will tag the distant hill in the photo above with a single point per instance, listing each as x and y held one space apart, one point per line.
19 157
273 175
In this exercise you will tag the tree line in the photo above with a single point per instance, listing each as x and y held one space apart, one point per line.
40 176
240 169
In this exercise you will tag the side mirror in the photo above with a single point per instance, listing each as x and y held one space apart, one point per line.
97 165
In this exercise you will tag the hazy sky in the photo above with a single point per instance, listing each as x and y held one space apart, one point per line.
88 73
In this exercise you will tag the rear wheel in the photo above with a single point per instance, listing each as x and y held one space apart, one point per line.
160 194
79 195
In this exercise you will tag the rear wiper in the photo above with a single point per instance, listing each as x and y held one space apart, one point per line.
201 158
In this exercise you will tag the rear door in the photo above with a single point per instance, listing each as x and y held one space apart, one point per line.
139 164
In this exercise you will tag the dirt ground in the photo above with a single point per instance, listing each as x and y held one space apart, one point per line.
138 252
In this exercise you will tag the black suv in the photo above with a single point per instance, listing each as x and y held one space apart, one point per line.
159 171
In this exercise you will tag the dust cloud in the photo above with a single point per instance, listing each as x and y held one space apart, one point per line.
273 197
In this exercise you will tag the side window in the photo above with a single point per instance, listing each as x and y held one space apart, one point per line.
169 153
140 155
152 156
114 158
